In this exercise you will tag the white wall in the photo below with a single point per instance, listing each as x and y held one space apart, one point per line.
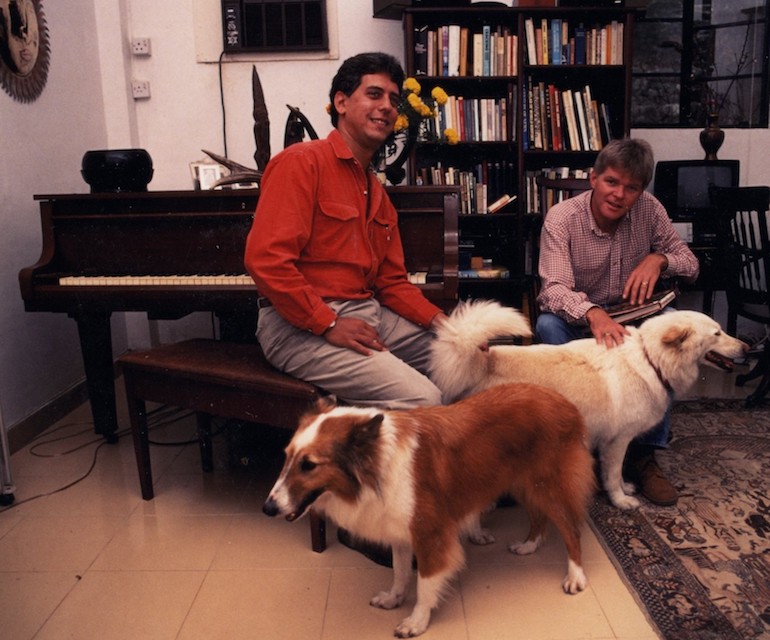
42 144
86 104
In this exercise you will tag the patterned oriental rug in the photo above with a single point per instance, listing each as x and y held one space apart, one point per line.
702 568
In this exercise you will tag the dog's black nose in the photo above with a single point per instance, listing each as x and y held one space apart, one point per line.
270 508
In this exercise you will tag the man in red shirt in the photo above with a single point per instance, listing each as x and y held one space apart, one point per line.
325 252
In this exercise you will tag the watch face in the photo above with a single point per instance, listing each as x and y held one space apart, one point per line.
24 49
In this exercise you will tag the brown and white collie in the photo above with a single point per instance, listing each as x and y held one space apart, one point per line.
416 479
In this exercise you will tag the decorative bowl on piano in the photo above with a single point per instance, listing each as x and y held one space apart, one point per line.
117 170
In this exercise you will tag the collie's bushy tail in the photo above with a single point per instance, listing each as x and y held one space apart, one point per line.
460 352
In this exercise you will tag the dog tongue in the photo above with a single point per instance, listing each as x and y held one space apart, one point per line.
720 361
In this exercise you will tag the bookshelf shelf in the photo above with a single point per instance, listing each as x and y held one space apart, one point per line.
592 64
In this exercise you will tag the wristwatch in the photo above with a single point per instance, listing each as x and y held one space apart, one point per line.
331 326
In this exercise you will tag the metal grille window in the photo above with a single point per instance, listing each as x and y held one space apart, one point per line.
275 25
696 57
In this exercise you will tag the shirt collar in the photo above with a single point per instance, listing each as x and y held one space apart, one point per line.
341 149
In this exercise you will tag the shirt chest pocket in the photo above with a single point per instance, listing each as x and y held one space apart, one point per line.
337 231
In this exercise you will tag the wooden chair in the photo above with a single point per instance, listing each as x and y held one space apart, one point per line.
744 217
213 378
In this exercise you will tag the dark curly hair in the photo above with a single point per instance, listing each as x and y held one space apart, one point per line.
348 77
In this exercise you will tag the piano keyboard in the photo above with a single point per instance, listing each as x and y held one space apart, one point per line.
419 277
157 281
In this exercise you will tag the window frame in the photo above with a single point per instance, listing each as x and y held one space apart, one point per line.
702 86
263 39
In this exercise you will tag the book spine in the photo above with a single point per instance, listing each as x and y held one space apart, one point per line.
421 50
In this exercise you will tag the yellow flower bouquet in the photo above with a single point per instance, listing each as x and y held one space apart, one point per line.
417 120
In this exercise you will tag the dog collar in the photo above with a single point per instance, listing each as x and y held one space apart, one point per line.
666 384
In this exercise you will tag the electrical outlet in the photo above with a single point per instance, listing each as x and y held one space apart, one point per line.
140 46
140 89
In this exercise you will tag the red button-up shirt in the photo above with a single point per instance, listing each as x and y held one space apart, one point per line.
325 229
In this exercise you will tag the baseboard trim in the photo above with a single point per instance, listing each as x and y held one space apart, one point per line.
27 429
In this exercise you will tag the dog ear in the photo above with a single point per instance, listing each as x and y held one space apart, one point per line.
326 403
676 336
357 457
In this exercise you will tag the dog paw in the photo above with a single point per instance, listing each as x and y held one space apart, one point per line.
575 580
481 536
526 547
387 600
411 627
624 502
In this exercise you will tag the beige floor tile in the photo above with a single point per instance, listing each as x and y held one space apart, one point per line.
169 542
259 542
196 493
624 615
125 605
266 604
56 543
527 602
112 495
350 617
29 598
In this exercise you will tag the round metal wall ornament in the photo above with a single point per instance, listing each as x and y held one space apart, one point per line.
24 49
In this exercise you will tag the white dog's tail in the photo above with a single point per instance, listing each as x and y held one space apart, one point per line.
459 354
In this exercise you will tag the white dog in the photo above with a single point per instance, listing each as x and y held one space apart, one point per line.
621 392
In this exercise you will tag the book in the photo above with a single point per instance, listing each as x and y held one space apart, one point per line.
421 50
464 35
627 312
478 54
529 31
453 50
580 44
500 203
581 121
555 41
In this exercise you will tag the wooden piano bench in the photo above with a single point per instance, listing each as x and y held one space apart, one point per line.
213 378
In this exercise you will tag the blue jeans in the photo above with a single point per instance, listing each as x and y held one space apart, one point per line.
551 329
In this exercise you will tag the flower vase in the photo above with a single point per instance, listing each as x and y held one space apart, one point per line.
394 170
712 137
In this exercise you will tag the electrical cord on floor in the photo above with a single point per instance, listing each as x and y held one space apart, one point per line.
157 419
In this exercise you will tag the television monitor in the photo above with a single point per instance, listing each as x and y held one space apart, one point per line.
682 186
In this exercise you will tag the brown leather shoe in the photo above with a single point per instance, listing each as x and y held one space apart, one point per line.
653 484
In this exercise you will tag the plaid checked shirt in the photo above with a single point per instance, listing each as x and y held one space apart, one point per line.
582 266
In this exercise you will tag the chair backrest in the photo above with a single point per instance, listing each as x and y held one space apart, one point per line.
554 190
744 217
550 192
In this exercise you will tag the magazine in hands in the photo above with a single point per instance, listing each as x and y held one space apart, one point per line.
627 312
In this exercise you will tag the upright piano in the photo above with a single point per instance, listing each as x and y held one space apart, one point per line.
171 253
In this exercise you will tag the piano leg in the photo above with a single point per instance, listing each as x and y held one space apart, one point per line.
96 347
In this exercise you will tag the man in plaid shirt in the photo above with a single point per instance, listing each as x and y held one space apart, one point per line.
608 245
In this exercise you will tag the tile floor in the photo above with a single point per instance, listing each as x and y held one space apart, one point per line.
200 561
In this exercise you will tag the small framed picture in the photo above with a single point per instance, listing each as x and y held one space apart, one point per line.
206 174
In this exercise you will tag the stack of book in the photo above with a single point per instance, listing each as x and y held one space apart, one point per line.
564 120
454 50
553 42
